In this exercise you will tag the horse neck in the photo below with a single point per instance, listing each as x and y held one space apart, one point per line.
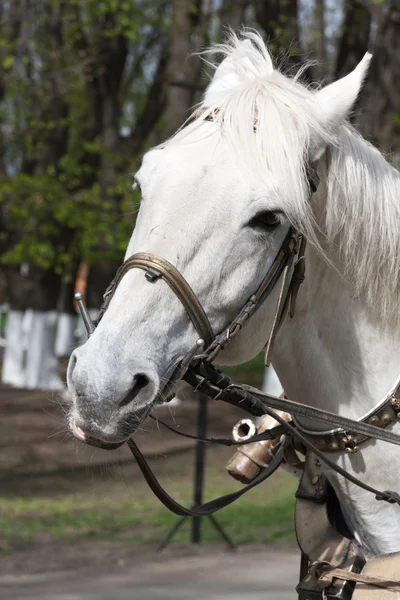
335 354
344 348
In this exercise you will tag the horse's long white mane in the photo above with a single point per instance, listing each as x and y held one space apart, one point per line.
362 218
269 121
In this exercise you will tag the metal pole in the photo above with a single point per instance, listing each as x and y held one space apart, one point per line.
171 534
199 465
202 400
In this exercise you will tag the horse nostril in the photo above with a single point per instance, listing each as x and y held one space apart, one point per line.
140 381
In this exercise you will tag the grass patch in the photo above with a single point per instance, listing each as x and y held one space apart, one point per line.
64 521
245 522
112 511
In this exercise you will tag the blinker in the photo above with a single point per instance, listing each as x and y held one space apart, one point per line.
90 326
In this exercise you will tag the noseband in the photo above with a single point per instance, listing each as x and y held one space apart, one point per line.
156 268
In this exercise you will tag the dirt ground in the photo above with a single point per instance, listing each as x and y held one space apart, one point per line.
34 439
256 573
40 459
38 456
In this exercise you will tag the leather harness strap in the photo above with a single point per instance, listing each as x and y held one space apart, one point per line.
259 403
219 386
223 501
281 263
341 440
325 576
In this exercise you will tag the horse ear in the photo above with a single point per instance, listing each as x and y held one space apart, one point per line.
337 99
335 102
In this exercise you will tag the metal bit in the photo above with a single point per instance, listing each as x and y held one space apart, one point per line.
90 326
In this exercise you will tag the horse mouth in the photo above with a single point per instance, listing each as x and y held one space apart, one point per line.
132 421
122 434
82 436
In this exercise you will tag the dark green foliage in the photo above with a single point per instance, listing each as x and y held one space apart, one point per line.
62 65
83 87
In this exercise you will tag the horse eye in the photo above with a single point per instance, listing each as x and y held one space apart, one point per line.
266 220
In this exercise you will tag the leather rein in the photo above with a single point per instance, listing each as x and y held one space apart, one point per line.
196 368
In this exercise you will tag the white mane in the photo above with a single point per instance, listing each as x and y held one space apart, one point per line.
362 219
270 121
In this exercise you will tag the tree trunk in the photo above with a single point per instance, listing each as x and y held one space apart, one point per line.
29 358
233 14
180 68
33 293
13 361
41 360
280 22
319 39
104 80
152 109
380 100
65 334
355 36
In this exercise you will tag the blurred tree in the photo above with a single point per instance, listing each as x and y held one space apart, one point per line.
179 72
82 93
71 73
380 102
87 85
354 40
319 39
233 14
189 34
279 19
38 109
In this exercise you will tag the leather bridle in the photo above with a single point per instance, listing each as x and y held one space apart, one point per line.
197 369
157 268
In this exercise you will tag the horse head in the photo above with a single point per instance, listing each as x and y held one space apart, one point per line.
218 200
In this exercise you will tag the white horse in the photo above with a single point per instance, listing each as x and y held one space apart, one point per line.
218 199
